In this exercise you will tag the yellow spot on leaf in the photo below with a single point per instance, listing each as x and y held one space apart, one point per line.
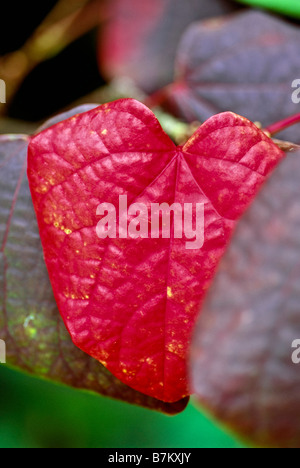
52 181
172 348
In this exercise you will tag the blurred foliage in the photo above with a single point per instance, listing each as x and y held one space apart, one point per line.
287 7
37 414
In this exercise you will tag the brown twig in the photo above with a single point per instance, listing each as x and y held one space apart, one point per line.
286 146
49 39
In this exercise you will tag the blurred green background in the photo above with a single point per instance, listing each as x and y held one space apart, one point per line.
38 414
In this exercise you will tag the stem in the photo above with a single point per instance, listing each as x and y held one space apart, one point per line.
282 125
286 146
62 9
158 98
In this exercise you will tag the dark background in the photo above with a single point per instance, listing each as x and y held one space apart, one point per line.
57 82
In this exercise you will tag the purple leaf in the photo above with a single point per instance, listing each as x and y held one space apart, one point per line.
245 63
141 38
242 368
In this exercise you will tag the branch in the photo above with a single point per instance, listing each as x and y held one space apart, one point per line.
49 39
286 146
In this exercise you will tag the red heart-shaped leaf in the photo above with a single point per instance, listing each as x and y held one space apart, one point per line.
30 324
132 302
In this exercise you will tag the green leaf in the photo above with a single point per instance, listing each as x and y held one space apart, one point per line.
288 7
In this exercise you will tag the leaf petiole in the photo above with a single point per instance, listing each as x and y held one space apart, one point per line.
282 124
